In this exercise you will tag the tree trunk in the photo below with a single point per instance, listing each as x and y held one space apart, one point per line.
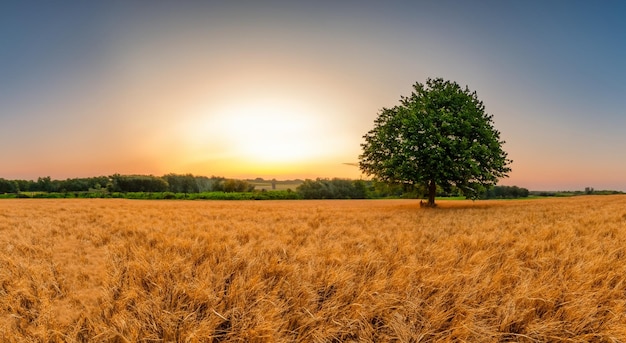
432 190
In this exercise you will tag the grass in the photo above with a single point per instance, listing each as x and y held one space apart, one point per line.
115 270
259 195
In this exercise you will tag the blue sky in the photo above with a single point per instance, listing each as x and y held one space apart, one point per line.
287 89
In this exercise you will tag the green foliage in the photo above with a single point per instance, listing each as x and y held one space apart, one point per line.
45 184
274 195
206 184
587 191
332 189
138 183
505 192
234 185
181 183
379 189
439 135
170 186
81 184
188 183
25 185
8 186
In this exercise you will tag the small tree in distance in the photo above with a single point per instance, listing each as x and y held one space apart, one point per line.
440 135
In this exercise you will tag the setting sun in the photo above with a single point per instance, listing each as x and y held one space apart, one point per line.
269 135
266 132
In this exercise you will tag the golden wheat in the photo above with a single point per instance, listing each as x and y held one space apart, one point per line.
316 271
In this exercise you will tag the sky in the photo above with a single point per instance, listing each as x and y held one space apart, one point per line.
287 89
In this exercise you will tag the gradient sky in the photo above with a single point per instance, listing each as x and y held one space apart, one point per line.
288 89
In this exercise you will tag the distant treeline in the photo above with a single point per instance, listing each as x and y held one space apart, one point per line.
175 183
333 189
188 186
587 191
372 189
505 192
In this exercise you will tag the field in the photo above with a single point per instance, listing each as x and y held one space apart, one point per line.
279 185
114 270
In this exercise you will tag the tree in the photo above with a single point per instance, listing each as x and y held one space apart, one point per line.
8 186
138 183
44 184
234 185
182 183
440 135
505 192
332 189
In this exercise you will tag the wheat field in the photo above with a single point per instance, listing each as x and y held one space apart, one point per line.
102 270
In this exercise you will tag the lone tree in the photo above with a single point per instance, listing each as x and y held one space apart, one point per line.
440 135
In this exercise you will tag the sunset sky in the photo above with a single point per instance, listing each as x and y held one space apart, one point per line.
287 89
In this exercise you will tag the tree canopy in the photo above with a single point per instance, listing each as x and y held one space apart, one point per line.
439 135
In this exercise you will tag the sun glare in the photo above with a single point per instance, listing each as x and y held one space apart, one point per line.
262 133
269 134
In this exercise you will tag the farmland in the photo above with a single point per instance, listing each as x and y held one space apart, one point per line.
78 270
